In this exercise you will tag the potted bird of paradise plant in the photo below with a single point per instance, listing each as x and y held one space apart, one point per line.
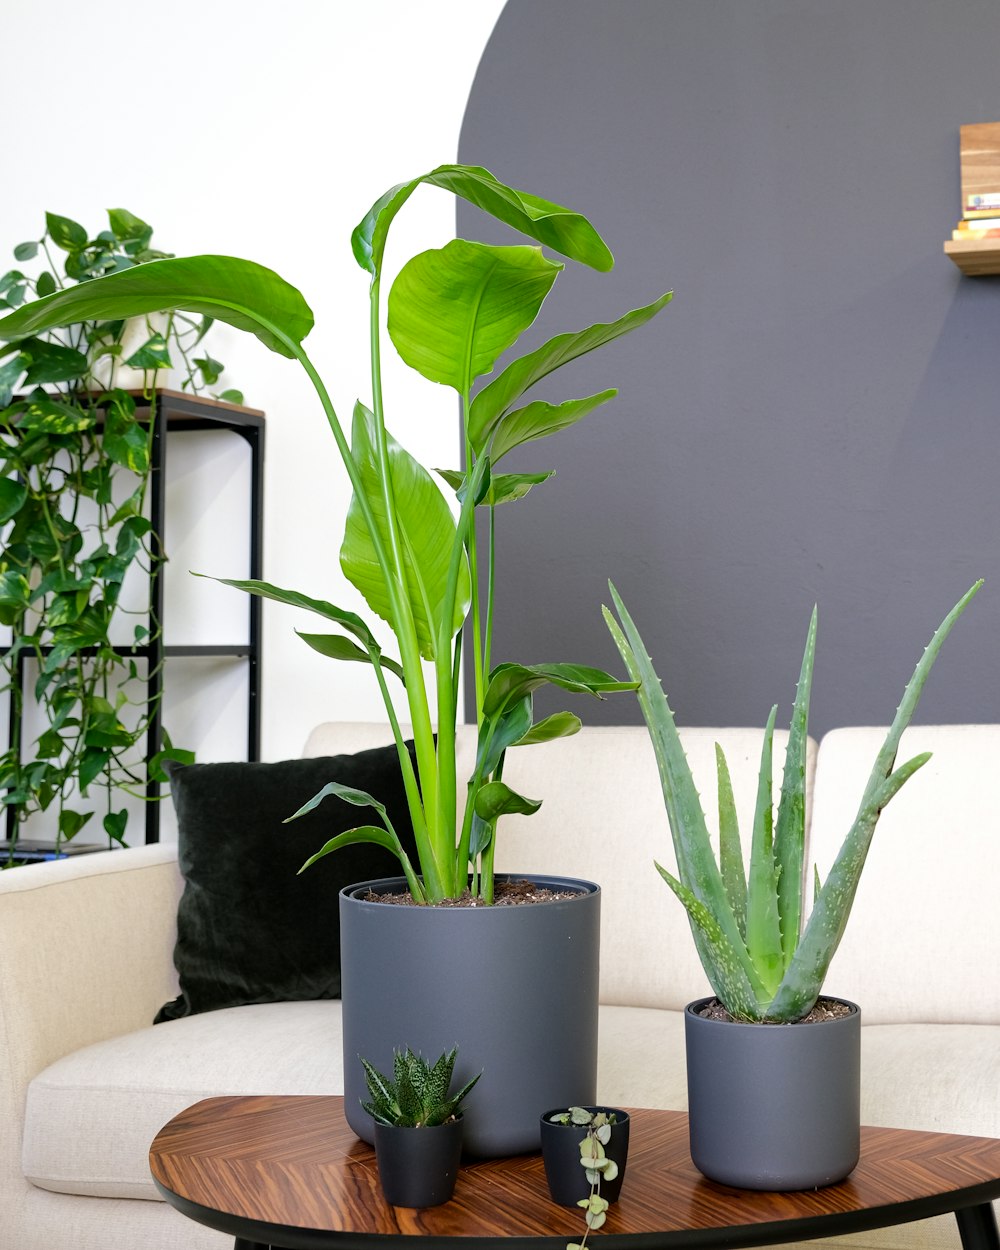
773 1068
432 975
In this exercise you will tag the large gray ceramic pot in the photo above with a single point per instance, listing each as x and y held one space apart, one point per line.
514 988
774 1106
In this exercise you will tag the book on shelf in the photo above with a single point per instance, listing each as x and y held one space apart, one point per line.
989 200
973 236
977 227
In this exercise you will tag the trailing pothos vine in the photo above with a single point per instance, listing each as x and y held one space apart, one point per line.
75 462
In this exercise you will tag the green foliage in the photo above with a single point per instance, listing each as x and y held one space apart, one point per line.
594 1160
746 926
452 312
74 474
417 1096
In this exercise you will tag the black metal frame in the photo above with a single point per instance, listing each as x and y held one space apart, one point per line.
175 411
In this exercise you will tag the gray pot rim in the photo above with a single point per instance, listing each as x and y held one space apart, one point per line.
390 885
693 1007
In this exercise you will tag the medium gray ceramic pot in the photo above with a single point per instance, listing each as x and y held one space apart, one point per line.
774 1106
514 988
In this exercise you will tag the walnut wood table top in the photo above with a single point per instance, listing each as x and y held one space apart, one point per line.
289 1172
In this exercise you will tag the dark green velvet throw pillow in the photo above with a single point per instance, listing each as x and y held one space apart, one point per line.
249 930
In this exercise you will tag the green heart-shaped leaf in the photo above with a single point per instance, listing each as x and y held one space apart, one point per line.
453 310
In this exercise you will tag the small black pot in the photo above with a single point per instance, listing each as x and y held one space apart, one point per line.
567 1179
418 1167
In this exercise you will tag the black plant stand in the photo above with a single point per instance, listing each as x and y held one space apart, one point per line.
177 412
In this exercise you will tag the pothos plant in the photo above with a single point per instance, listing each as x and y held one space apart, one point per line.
452 312
74 476
747 925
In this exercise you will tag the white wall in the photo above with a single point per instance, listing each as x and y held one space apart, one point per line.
265 131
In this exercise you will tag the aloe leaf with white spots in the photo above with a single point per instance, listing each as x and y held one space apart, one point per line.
766 972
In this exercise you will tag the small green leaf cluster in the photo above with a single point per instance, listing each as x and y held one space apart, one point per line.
451 314
594 1161
747 925
74 476
417 1096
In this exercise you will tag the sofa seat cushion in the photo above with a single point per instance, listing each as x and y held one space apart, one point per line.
939 1078
91 1116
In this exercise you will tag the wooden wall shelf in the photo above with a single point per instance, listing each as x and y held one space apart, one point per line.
979 152
976 258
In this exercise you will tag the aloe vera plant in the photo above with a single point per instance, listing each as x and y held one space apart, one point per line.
451 313
746 924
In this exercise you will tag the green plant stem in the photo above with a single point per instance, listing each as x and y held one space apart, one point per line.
470 545
423 733
490 591
409 778
440 835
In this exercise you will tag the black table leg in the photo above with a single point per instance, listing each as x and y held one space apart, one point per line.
241 1243
977 1227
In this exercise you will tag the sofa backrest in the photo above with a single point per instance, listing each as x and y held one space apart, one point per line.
602 819
923 940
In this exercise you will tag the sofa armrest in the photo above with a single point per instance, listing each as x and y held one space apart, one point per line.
86 953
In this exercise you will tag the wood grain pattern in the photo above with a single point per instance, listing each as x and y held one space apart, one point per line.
293 1161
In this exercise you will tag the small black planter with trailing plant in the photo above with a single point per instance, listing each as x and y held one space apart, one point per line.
418 1128
584 1150
773 1070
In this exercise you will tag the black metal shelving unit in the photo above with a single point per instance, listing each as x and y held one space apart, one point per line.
175 411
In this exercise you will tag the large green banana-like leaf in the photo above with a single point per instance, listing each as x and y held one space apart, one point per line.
495 400
564 231
295 599
453 310
558 725
540 419
239 292
497 799
427 530
337 647
514 681
503 488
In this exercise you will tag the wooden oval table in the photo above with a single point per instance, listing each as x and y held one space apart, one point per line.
288 1172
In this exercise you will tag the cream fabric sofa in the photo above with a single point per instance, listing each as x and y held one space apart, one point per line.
85 1082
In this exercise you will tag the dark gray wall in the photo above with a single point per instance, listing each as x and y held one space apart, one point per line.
815 417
